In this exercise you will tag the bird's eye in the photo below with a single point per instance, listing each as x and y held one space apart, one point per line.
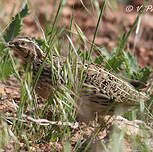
22 43
16 44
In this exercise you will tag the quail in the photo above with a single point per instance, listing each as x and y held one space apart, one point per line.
102 91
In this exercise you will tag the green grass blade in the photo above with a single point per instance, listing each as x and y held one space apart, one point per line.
97 26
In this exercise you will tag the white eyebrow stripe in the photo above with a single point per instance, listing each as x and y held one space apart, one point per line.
37 46
26 40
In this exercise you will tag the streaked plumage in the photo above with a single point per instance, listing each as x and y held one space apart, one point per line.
102 90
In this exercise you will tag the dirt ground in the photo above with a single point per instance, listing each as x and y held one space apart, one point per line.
115 21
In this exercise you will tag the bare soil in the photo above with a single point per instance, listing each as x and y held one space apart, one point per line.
115 21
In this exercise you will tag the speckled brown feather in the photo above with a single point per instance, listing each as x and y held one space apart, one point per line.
117 89
102 90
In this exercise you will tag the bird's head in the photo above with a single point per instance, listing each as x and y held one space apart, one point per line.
26 49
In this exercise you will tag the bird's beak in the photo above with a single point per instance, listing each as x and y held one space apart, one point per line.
10 45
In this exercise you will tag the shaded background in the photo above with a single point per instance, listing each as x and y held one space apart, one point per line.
115 22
